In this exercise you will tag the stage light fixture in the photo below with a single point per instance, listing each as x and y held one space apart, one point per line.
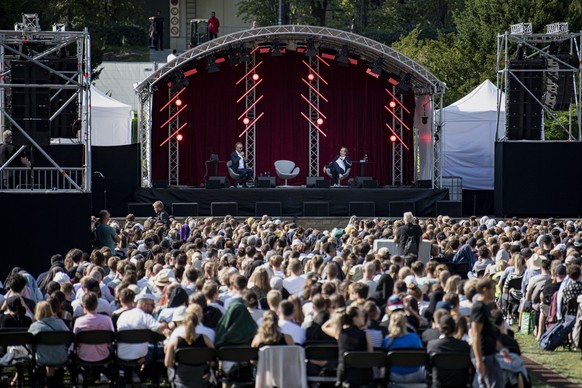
310 77
319 121
377 67
276 50
212 67
256 77
405 83
246 121
311 50
243 54
178 102
343 57
233 56
392 104
178 81
179 137
392 138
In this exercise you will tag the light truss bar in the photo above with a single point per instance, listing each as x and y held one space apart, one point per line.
326 63
396 117
248 73
314 107
172 99
313 124
315 72
173 134
251 124
249 90
397 101
251 107
397 137
315 90
174 115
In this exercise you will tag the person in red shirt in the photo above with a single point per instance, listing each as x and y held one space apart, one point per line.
213 26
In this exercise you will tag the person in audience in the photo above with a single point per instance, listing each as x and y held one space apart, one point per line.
399 337
287 322
269 333
16 314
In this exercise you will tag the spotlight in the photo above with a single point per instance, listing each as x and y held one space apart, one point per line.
233 57
377 67
243 54
256 77
343 56
179 137
212 67
178 81
310 77
405 83
319 121
246 121
178 102
311 51
392 138
276 50
392 104
424 119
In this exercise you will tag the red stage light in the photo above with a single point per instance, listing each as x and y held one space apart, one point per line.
178 102
256 77
392 104
246 121
392 138
179 137
319 121
310 77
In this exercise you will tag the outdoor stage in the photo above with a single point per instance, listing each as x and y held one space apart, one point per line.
292 199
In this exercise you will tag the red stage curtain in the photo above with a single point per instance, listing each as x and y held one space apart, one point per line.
355 119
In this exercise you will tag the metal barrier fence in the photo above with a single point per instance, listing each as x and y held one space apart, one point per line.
41 179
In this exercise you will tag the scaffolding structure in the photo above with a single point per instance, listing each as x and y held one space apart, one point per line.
29 44
421 81
546 46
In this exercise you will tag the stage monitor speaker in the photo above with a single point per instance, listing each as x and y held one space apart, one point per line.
217 182
398 208
359 181
140 209
311 181
224 209
322 184
449 208
523 113
265 182
268 208
362 208
370 184
424 184
185 209
316 209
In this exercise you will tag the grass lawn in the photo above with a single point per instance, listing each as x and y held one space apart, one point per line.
564 362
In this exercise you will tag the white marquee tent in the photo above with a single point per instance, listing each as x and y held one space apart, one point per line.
469 137
110 120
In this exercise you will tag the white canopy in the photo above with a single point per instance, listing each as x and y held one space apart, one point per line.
110 120
469 136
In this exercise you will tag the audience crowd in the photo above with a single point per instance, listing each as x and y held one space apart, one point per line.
210 282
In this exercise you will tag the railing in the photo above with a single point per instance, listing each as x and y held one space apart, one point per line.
41 179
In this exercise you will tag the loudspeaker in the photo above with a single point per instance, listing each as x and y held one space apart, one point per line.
559 85
185 209
30 106
316 209
424 184
523 114
398 208
269 208
450 208
312 181
140 209
265 182
65 124
370 184
362 209
322 184
224 209
217 182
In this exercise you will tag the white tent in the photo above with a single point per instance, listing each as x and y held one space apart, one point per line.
110 120
469 136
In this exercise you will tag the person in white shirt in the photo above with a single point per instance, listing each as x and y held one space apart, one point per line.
172 56
294 283
286 324
89 284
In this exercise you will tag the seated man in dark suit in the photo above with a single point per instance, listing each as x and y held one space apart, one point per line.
238 163
443 377
340 164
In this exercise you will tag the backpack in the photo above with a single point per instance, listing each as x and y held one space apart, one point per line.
556 335
553 312
410 245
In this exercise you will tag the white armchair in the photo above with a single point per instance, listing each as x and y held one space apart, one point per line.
341 177
286 169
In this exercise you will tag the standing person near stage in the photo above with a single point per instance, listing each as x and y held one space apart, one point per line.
485 337
340 164
408 236
7 149
161 215
104 235
159 30
213 26
238 164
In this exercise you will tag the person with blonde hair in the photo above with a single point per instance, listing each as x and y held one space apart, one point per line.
398 337
269 333
49 354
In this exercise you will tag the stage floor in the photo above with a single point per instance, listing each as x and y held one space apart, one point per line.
292 199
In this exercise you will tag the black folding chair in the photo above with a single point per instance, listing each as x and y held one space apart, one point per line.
406 359
452 369
328 353
139 336
94 337
242 356
52 338
20 338
191 359
363 360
